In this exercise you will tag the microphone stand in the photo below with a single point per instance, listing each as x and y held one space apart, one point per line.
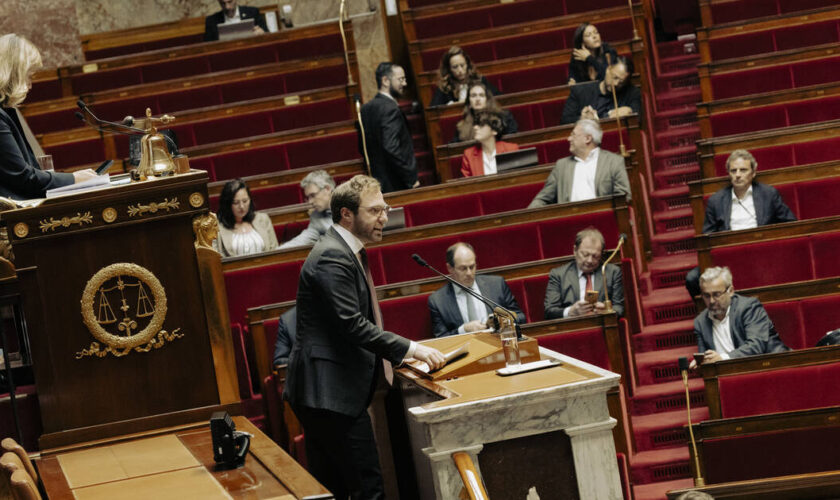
504 316
341 16
615 104
699 482
607 302
362 130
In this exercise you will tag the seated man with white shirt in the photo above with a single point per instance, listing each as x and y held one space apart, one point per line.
743 205
588 173
565 294
455 311
732 325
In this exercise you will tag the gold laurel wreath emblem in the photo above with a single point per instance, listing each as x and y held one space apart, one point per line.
150 337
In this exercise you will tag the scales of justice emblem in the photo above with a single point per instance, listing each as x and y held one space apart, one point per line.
124 307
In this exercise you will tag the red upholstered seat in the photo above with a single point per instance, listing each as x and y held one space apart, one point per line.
757 264
260 285
441 210
824 248
96 81
585 345
143 47
818 198
787 318
44 90
557 238
820 317
408 316
507 199
725 12
535 297
770 454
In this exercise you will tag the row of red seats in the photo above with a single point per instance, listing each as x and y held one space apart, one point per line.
529 44
775 40
730 11
443 22
786 155
180 98
495 247
786 114
778 77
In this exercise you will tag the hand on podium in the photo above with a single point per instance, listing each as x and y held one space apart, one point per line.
430 356
83 175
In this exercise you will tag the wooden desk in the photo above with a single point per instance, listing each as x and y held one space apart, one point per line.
181 469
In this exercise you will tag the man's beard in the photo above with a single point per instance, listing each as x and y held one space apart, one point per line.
395 93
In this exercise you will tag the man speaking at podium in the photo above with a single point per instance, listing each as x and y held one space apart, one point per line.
339 343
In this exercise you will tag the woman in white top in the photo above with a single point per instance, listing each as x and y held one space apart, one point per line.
242 230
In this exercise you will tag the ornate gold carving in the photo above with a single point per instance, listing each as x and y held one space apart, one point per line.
51 224
206 229
153 207
109 214
125 284
21 230
196 200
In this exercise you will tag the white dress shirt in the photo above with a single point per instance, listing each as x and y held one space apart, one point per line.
462 297
583 184
489 162
722 335
356 245
742 214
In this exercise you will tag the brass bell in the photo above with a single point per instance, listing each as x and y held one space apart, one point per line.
155 160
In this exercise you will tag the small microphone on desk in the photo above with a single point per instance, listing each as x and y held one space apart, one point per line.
699 482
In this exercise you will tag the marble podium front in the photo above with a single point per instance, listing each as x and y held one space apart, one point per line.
548 431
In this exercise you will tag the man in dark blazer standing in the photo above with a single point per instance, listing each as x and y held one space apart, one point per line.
390 149
340 341
732 325
744 204
565 295
230 12
594 100
455 311
588 173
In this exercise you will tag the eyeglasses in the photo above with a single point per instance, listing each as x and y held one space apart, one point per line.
378 211
715 295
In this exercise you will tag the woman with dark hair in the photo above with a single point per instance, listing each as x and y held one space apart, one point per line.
481 158
21 176
456 73
589 60
242 230
480 98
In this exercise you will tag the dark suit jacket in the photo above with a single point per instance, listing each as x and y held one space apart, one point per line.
610 178
752 330
338 346
472 161
211 23
563 288
286 330
586 94
769 208
443 306
389 144
21 177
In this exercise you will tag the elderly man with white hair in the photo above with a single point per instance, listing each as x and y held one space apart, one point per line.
317 188
589 172
732 325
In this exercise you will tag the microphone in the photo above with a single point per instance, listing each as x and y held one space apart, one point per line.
615 104
699 482
358 102
607 302
87 116
497 309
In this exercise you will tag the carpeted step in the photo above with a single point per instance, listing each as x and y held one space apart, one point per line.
677 138
673 220
671 198
665 336
684 62
654 466
676 118
682 98
670 396
665 430
675 174
658 490
668 305
673 49
669 271
672 158
673 243
656 367
678 80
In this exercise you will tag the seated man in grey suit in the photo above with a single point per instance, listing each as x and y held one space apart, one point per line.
317 188
286 331
565 295
588 173
455 311
743 205
732 325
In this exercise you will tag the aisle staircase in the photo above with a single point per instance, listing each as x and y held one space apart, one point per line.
657 408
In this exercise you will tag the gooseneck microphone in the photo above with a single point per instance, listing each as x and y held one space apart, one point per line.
698 481
607 302
493 305
358 103
88 117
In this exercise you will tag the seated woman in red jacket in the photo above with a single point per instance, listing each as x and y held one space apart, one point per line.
481 158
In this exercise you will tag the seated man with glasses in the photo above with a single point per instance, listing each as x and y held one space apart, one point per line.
317 188
732 325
